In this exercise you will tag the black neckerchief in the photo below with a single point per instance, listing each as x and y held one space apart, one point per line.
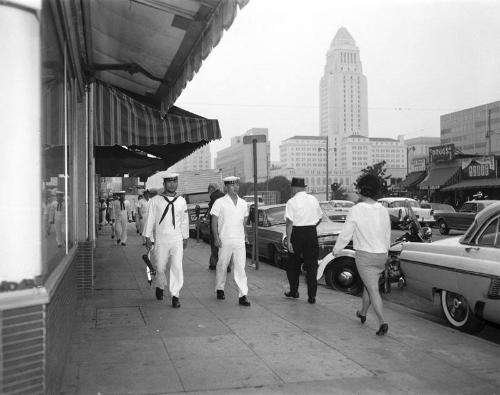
59 206
122 205
169 203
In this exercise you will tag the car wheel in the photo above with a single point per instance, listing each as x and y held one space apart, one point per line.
443 228
343 276
457 311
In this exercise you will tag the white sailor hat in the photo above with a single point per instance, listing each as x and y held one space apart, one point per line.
59 192
168 175
120 193
231 180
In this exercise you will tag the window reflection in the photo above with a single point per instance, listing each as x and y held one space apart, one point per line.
57 131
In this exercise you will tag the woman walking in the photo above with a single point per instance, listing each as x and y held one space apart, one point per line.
369 226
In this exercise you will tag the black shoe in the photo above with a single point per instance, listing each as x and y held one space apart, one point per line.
244 301
112 236
220 294
311 299
212 267
382 330
137 230
159 293
118 241
175 302
361 317
123 244
228 269
292 295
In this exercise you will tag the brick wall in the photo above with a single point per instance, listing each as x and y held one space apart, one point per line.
85 268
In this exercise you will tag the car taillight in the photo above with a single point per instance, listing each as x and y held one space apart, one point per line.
494 290
432 212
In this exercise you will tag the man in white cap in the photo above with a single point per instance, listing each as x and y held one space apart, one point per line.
229 214
121 215
56 216
168 221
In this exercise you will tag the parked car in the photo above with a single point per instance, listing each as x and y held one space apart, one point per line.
461 219
336 214
461 273
436 208
343 207
398 212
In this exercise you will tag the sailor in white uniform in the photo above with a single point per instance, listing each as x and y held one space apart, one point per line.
229 214
57 216
169 223
121 214
142 212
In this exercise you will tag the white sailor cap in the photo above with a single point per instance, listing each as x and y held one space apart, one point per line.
168 175
59 192
231 180
120 193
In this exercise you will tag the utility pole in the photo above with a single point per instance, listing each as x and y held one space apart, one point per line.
488 131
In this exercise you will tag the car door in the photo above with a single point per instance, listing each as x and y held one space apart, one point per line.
480 263
466 217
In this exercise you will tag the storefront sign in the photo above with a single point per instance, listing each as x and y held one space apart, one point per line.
418 164
442 153
481 167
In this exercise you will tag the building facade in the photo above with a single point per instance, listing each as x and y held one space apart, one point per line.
237 159
201 159
417 150
474 130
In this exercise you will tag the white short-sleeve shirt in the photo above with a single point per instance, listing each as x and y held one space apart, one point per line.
230 218
303 210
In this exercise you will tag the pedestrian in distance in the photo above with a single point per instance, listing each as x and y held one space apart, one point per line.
229 215
142 212
168 221
57 216
302 215
215 193
369 226
121 216
138 218
102 212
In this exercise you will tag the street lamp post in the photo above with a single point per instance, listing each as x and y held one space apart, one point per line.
326 149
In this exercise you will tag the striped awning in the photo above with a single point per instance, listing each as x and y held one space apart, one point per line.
121 120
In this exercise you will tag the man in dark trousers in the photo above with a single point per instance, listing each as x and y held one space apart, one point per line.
215 193
302 215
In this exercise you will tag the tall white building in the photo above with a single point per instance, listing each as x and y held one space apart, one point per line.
237 159
343 99
201 159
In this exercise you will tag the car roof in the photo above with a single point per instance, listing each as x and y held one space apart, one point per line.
340 201
488 211
394 199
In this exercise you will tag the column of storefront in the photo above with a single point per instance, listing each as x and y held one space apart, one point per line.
20 248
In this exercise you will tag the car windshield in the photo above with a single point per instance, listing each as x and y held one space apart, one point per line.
342 204
276 216
404 203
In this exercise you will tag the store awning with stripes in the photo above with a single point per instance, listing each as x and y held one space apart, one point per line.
481 183
412 179
440 177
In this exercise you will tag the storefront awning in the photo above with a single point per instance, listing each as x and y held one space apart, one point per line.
121 120
440 177
482 183
412 179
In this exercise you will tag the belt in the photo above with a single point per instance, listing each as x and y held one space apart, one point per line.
305 227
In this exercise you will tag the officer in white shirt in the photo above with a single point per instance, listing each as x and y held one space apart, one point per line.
302 215
56 216
168 221
121 215
229 214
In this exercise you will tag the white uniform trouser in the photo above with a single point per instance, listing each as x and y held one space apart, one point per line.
121 227
235 249
144 221
59 226
169 251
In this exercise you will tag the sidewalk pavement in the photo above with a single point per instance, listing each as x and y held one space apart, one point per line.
127 342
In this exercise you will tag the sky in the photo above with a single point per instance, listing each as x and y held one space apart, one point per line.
422 59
